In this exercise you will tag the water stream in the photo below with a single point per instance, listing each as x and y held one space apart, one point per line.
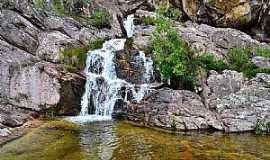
103 87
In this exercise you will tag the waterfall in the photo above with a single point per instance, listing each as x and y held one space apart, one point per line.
129 25
103 87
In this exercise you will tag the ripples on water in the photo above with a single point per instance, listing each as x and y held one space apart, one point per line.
121 141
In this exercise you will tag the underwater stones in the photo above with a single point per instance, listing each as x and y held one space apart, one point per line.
12 116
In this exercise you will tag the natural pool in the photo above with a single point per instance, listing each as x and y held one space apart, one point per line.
61 140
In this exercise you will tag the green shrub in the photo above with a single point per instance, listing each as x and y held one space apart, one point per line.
99 18
59 7
263 52
173 57
74 57
239 59
38 3
167 10
262 127
96 44
147 20
208 62
173 125
50 113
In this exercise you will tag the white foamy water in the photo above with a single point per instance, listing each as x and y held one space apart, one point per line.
129 25
103 88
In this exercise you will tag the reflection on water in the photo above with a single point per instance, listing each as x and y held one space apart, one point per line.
121 141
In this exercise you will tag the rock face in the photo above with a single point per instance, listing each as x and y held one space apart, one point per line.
239 103
235 105
164 108
203 38
232 13
261 62
31 78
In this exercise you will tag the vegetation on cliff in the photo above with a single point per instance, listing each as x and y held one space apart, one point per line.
74 58
178 63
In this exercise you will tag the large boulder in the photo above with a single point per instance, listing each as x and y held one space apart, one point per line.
71 91
32 88
220 85
165 108
222 13
239 104
232 13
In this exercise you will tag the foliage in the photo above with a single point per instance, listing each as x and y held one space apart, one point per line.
173 125
167 10
239 59
262 127
59 7
173 57
99 18
50 113
96 44
208 62
179 66
147 20
38 3
263 52
75 58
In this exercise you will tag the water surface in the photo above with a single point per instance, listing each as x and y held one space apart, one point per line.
59 140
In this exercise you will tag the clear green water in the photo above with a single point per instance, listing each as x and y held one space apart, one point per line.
114 140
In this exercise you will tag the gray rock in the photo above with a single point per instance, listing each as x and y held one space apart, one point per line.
261 62
50 45
12 58
164 106
91 34
4 132
32 88
67 26
242 103
18 31
12 116
220 85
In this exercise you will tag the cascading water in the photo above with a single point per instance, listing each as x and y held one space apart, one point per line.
103 88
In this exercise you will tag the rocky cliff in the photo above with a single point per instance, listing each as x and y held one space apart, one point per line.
33 79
